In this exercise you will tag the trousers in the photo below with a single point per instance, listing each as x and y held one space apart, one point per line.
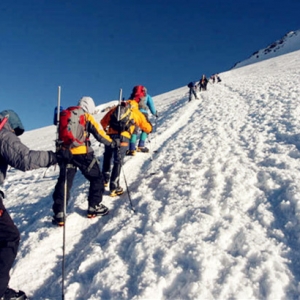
9 243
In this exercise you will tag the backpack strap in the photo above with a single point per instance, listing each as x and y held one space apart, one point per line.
95 160
3 121
87 138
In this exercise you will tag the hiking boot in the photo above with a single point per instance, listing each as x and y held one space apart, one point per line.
58 219
98 210
143 149
131 152
106 177
11 294
117 192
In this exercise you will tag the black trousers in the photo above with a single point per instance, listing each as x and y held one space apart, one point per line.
203 87
89 167
118 155
192 92
9 243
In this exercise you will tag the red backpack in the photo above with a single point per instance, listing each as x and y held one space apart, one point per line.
72 127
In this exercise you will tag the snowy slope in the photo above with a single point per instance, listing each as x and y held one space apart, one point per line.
289 43
219 219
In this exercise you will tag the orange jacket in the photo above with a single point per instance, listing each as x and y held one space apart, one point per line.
92 127
139 120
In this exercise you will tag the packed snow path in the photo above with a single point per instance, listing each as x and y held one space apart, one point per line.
219 219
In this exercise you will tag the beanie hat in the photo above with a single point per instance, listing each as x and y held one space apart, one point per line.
14 121
87 104
138 92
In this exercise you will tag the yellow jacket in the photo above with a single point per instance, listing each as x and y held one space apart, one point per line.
92 127
138 118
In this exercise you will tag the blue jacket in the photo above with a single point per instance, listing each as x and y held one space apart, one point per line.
150 104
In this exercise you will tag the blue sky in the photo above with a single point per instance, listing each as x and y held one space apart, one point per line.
94 48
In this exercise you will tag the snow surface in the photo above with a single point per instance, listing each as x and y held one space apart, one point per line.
290 42
219 219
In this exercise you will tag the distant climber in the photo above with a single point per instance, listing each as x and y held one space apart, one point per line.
203 83
192 91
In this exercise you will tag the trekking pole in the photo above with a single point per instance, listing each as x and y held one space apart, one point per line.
65 196
121 162
57 121
64 234
153 151
128 192
119 108
150 139
155 131
58 111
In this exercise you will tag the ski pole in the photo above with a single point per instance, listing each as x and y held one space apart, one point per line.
58 112
156 122
57 145
58 119
121 161
119 108
125 180
155 130
128 192
64 234
150 139
151 147
57 122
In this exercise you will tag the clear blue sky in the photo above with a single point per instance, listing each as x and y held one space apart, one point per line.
94 48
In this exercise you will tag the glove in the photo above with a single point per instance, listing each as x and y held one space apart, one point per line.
115 144
64 156
52 159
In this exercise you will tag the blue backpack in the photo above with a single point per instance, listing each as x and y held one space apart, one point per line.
55 114
191 84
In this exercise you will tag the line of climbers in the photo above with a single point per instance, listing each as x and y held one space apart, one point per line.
119 132
194 87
